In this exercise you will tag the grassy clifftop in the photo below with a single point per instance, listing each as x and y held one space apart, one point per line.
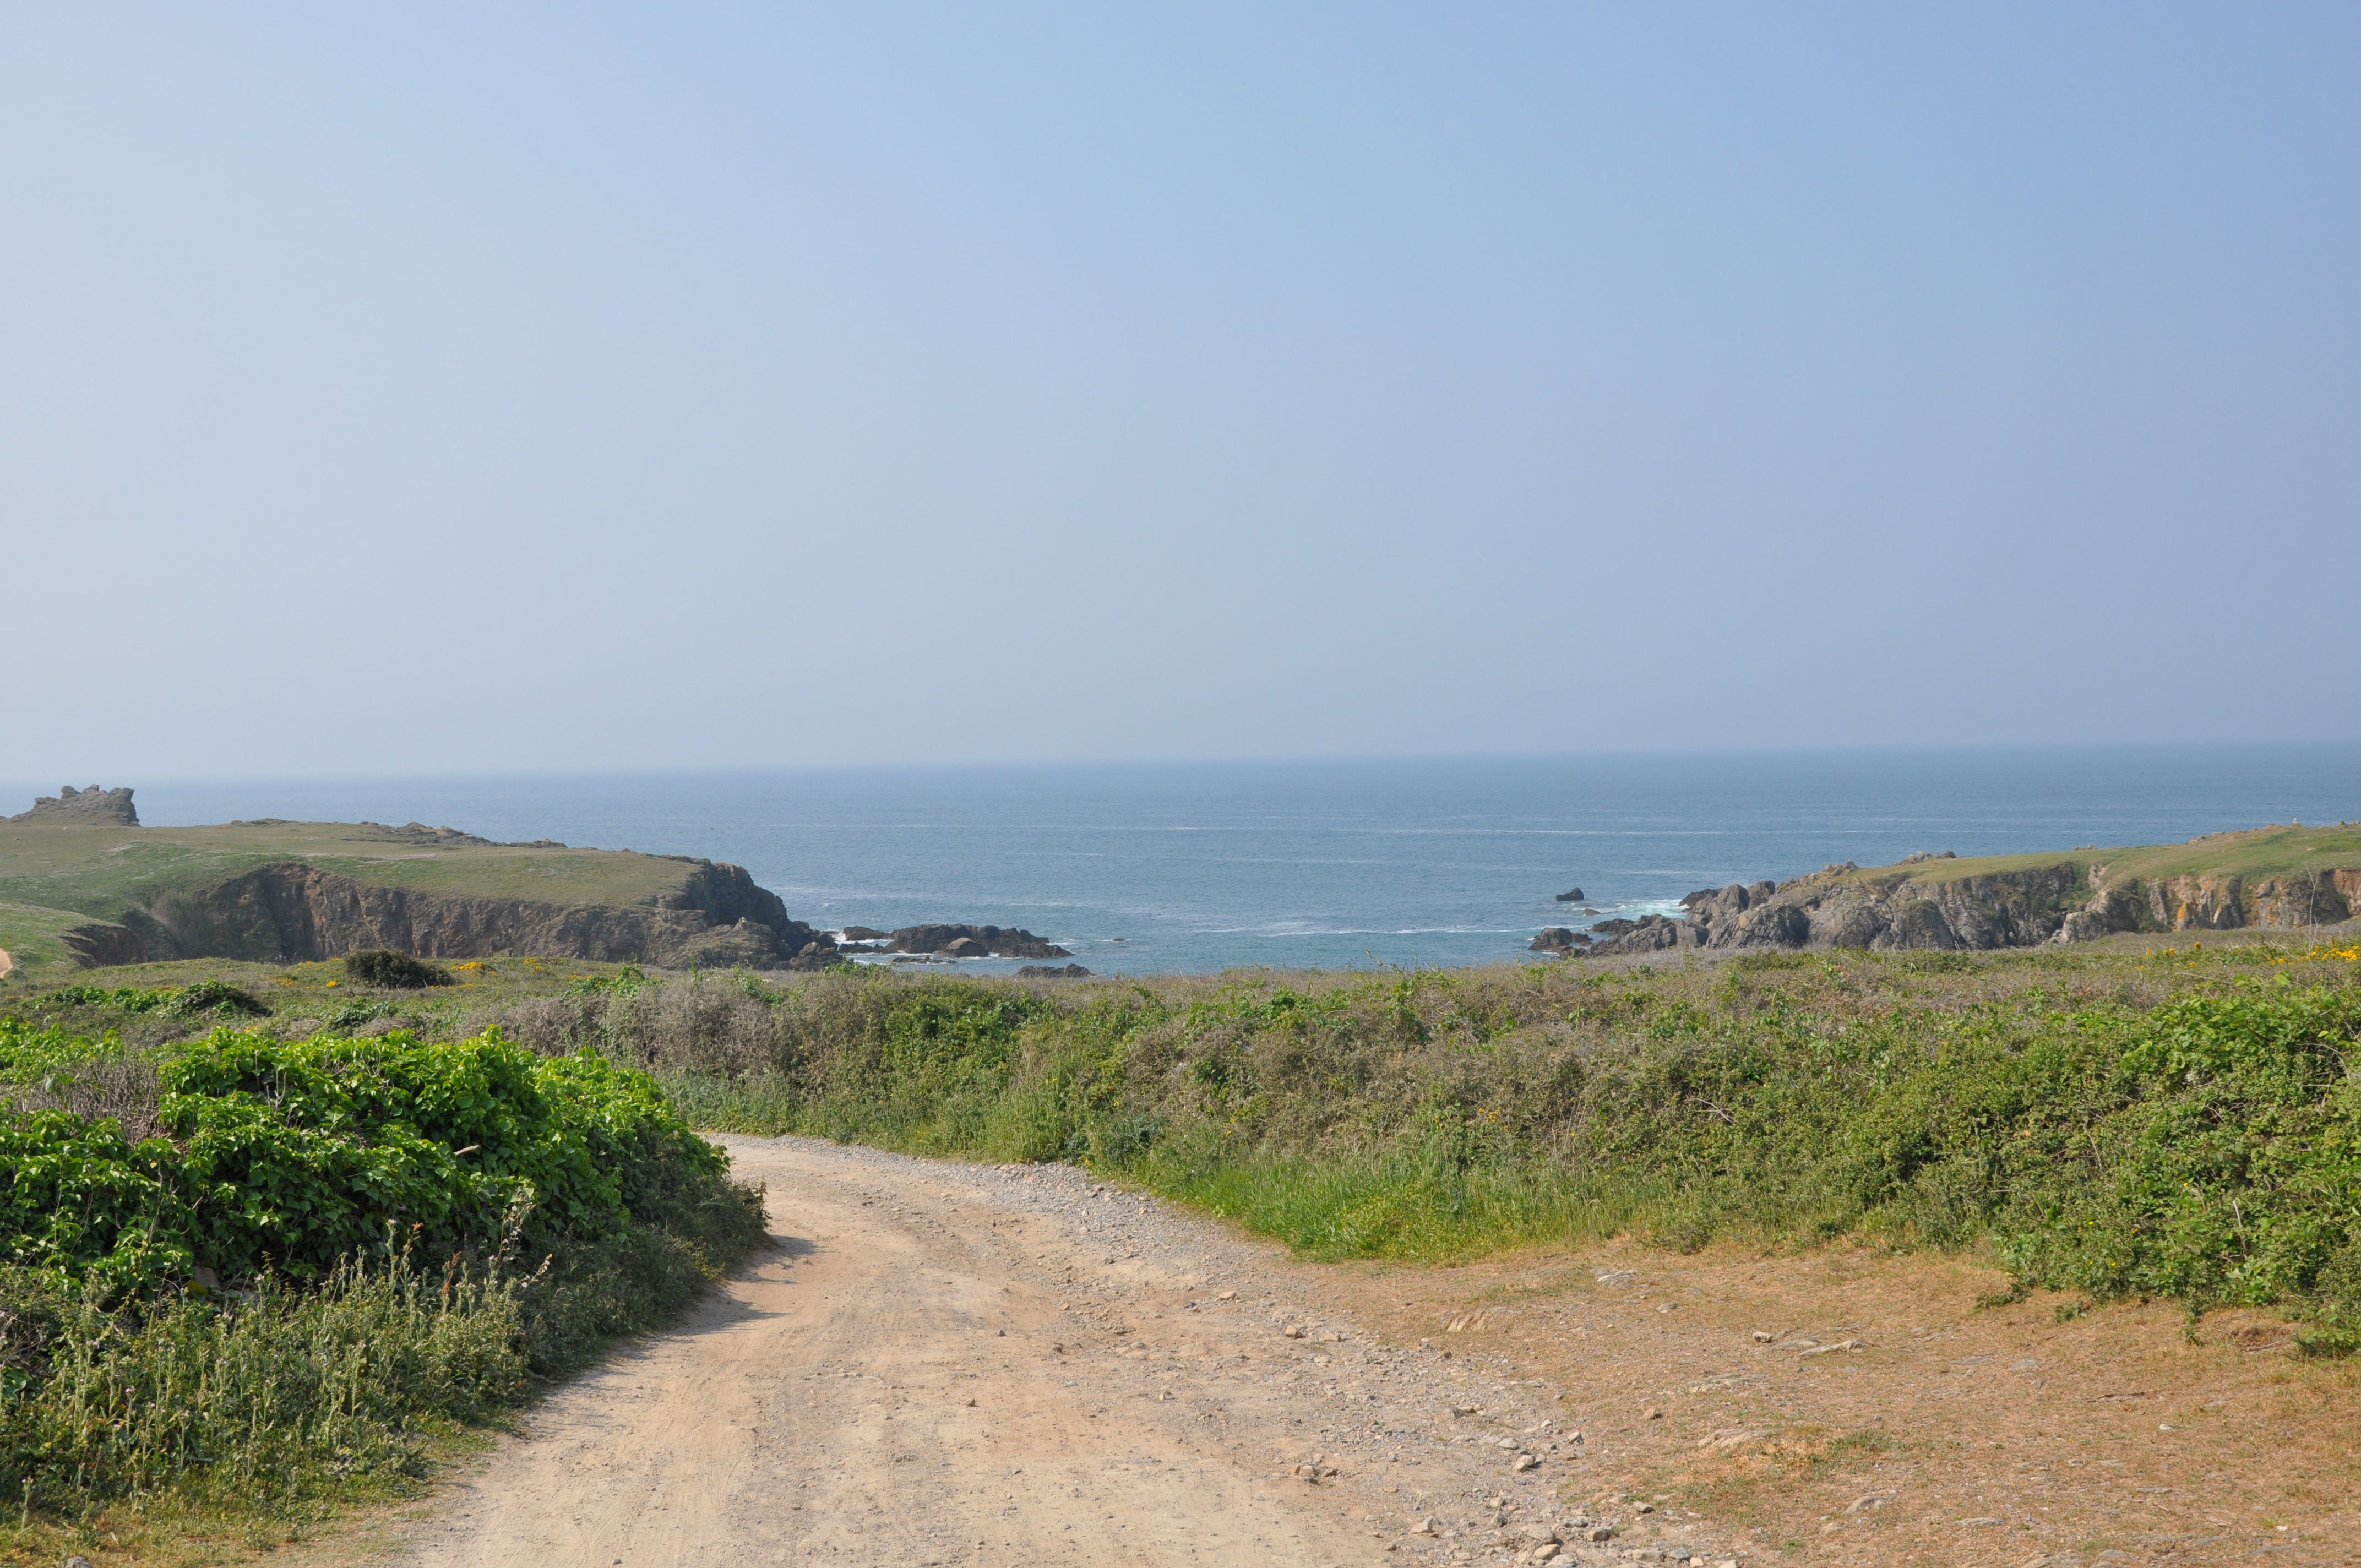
102 869
2252 854
75 892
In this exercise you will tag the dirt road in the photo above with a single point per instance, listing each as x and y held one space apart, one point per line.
945 1363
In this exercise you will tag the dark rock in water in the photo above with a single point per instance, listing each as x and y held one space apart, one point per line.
1649 934
1010 943
1572 895
965 948
1053 971
111 807
864 933
1554 940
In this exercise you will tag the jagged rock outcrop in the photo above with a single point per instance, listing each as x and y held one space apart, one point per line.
979 941
1560 940
107 807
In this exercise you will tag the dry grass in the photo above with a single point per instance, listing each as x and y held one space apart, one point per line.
2110 1429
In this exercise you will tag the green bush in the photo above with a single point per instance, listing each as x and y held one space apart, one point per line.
230 1310
393 970
78 1203
288 1156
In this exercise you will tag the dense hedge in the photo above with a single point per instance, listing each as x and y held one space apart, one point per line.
327 1246
289 1156
2107 1124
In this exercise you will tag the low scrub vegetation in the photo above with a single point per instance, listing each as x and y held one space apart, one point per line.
2178 1124
246 1273
206 997
367 1220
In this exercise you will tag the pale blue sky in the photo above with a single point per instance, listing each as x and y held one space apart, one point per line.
684 386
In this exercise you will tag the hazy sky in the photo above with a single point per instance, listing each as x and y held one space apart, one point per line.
470 388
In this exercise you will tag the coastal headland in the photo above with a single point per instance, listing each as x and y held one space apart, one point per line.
1853 1258
2277 878
83 885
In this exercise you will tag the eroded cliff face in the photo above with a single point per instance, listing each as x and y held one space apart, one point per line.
2071 901
2220 903
292 912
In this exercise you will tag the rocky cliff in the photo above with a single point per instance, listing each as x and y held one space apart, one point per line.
111 807
2213 902
1912 907
108 892
292 912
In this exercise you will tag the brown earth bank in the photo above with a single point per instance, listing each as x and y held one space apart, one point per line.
952 1364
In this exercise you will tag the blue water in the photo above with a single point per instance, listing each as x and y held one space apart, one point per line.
1335 863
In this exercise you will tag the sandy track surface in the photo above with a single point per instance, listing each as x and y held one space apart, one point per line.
945 1363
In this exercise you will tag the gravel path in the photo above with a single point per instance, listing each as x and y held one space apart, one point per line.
943 1364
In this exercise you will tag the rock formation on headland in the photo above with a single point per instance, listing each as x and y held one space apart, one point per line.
109 806
1939 902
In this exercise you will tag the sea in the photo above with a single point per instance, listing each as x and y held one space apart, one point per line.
1331 865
